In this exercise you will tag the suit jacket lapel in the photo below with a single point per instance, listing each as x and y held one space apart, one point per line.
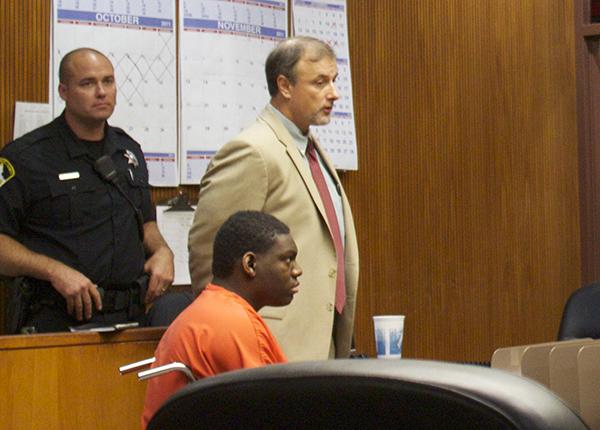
299 163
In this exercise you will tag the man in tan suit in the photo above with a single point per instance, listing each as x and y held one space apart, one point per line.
267 168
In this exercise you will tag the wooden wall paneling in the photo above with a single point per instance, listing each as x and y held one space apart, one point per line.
466 197
588 103
25 57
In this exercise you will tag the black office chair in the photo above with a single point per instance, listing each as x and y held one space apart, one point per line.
365 394
581 315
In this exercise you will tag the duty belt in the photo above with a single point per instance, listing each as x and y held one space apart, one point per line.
115 298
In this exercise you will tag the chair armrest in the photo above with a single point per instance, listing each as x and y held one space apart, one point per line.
161 370
133 367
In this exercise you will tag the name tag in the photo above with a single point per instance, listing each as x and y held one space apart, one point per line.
68 176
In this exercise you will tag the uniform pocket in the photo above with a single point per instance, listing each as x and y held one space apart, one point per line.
60 202
74 202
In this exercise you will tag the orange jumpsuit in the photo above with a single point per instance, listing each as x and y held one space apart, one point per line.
217 333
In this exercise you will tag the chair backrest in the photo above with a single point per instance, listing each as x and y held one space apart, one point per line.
366 394
581 315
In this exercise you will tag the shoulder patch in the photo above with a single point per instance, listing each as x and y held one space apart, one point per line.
7 171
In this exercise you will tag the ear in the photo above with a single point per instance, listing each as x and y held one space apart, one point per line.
285 86
249 264
62 90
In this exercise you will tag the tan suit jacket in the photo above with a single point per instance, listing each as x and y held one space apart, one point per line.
262 169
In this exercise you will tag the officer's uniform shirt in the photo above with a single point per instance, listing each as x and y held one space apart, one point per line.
55 203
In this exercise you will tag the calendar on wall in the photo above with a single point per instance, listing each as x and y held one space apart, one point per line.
138 36
181 120
223 48
327 21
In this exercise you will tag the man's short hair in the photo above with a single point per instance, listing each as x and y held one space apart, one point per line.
283 59
65 62
244 231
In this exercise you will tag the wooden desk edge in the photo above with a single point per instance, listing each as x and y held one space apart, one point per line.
46 340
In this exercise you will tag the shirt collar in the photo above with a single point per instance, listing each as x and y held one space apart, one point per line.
300 140
111 143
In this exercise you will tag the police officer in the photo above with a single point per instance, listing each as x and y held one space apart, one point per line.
82 233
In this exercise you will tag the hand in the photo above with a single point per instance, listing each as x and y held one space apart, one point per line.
78 291
161 269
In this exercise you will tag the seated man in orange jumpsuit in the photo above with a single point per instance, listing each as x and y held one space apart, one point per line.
254 265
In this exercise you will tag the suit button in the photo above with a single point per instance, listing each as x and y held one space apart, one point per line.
332 273
329 307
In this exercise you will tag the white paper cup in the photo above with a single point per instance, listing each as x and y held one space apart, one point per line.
389 331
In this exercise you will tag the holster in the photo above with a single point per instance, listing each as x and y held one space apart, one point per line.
137 308
125 297
21 293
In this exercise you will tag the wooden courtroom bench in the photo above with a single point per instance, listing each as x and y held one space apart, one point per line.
71 380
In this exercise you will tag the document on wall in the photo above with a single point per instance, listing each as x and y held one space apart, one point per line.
29 116
175 226
327 21
223 48
138 36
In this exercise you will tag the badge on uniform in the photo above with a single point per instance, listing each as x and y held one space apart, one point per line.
131 158
7 171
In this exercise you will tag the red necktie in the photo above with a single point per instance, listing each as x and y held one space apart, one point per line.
317 174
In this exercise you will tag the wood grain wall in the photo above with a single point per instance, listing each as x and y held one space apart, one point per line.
24 57
466 199
467 195
587 44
